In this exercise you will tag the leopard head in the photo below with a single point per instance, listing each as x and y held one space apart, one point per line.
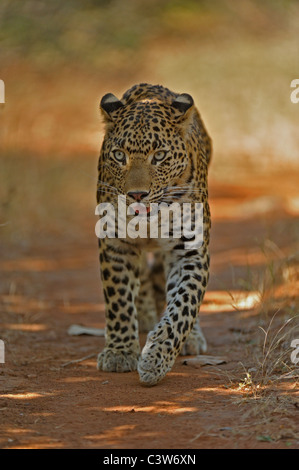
147 144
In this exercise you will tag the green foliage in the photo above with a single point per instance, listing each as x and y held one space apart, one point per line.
51 32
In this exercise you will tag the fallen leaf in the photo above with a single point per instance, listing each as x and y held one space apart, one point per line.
203 360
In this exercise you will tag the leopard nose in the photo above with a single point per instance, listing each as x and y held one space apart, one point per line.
137 195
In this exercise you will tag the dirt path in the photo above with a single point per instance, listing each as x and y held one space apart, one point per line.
44 404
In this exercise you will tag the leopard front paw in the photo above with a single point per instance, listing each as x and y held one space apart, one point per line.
151 370
156 360
111 360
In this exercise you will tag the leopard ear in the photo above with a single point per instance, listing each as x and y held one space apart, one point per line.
109 104
183 102
184 113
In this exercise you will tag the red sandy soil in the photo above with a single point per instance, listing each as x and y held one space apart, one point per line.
47 404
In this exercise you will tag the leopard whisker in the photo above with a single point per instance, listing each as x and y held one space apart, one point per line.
105 191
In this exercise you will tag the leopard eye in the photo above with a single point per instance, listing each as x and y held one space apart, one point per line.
120 156
159 156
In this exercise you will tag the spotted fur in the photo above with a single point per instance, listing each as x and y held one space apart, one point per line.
149 120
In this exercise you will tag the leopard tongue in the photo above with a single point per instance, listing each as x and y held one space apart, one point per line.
141 209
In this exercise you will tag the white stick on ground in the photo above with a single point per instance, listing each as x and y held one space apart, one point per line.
76 330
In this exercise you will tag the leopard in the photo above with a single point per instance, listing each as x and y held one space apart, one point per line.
155 149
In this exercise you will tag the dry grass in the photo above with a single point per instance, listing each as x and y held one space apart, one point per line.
268 380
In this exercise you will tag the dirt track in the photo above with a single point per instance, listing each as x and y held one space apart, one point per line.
44 404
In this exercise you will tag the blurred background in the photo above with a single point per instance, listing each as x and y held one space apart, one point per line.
57 59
